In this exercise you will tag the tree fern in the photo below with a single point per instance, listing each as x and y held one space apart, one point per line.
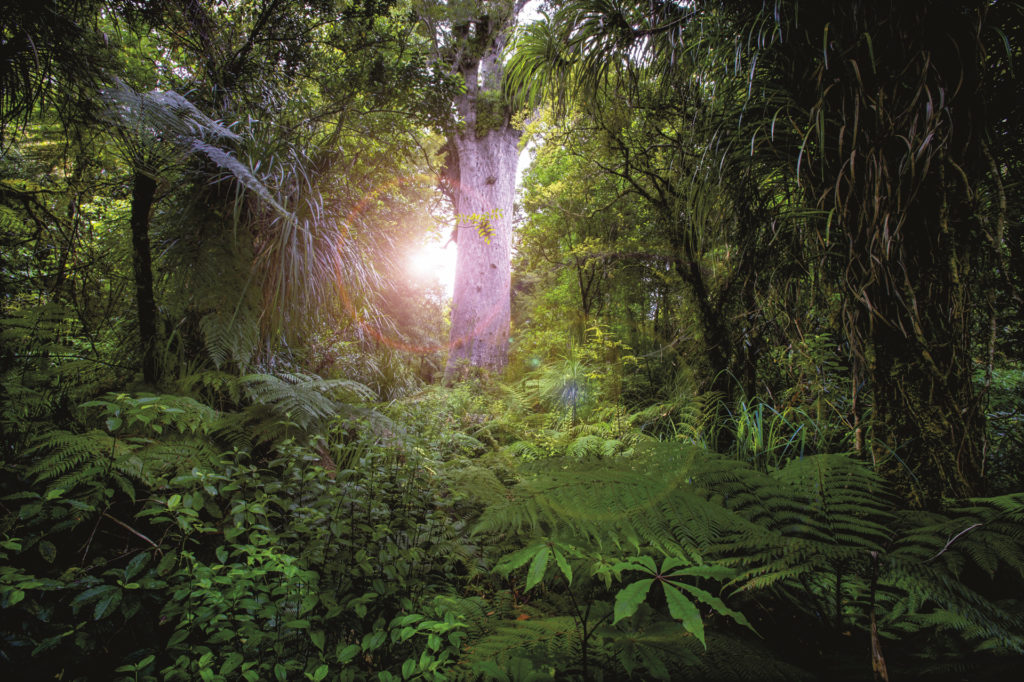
145 438
545 641
821 535
647 500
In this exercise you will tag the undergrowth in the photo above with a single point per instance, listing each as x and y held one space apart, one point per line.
283 526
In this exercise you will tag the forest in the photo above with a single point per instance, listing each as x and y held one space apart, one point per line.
727 382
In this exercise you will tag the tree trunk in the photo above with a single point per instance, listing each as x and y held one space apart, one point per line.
482 175
898 182
481 308
143 191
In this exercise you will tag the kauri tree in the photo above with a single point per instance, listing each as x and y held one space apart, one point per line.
479 176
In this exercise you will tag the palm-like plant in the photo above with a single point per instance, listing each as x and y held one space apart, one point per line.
155 131
46 49
887 190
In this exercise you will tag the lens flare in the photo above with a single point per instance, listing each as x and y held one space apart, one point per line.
434 262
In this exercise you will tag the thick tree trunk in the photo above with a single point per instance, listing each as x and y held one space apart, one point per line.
143 191
482 174
900 190
480 305
929 421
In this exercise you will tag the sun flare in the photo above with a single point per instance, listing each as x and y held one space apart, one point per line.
434 262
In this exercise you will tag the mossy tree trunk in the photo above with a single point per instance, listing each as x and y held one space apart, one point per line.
892 151
143 193
483 154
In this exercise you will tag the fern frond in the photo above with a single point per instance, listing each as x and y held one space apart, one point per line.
303 399
479 484
67 452
524 450
230 338
551 640
656 499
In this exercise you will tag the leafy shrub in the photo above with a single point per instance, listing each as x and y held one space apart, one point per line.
240 566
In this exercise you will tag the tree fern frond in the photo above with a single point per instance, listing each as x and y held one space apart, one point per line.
67 452
649 499
524 449
478 484
228 338
303 399
552 640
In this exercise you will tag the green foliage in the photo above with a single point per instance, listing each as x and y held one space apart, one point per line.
491 111
756 313
820 535
236 565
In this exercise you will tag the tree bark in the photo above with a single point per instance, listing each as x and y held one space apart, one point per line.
900 190
481 309
483 176
143 191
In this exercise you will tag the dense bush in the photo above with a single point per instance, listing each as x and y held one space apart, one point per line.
262 566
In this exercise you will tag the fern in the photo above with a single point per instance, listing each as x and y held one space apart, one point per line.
146 438
524 450
593 446
479 484
545 641
822 535
687 418
649 500
230 338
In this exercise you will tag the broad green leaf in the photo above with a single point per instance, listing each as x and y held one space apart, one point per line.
135 565
644 564
308 602
718 605
89 595
373 640
629 598
177 638
320 673
280 672
683 609
511 562
166 563
107 604
318 637
346 654
710 572
232 662
671 563
563 566
537 568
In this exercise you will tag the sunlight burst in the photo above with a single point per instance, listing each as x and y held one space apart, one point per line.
434 262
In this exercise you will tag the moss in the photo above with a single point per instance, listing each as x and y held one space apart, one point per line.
491 112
